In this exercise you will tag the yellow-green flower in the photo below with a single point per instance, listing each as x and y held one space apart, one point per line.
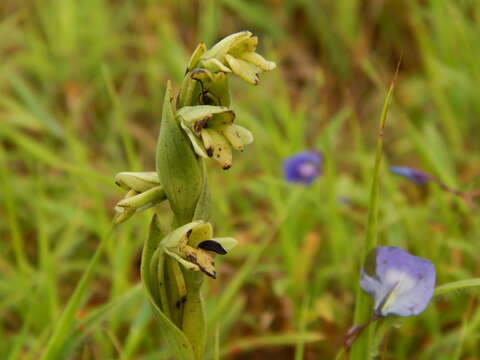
212 132
235 53
194 246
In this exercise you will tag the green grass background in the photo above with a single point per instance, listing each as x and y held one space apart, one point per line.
81 86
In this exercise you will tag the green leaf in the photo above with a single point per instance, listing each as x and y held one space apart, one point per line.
456 286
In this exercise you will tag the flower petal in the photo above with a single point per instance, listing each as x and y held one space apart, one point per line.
237 136
220 49
227 243
211 245
200 233
215 65
220 148
197 54
138 181
258 60
196 142
244 69
417 176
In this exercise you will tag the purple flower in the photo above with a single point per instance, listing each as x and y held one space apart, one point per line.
417 176
399 283
303 167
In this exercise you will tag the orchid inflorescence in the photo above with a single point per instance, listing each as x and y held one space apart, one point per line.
196 124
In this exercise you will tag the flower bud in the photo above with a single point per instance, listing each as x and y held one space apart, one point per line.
134 202
138 181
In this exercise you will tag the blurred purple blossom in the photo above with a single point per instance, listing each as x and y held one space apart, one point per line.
399 283
417 176
303 167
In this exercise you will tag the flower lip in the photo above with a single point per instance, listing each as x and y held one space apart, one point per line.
212 245
303 167
399 283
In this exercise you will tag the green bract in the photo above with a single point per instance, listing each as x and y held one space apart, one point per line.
212 132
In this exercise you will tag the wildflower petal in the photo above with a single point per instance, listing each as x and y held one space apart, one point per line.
237 136
221 148
227 243
197 54
211 245
244 69
178 236
138 181
215 65
399 283
417 176
200 233
220 49
201 116
196 142
244 46
258 60
202 258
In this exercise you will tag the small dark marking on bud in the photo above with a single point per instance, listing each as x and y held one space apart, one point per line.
209 151
181 301
226 166
189 232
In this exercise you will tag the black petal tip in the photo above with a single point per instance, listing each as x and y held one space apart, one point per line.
211 245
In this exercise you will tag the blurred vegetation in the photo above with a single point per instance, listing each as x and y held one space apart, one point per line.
81 84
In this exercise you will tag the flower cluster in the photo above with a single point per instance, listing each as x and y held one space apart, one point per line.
212 131
204 112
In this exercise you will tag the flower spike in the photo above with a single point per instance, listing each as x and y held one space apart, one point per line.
237 53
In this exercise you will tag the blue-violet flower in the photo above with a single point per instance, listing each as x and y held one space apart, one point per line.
303 167
399 283
417 176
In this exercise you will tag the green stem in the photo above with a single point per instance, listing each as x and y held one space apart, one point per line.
360 348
